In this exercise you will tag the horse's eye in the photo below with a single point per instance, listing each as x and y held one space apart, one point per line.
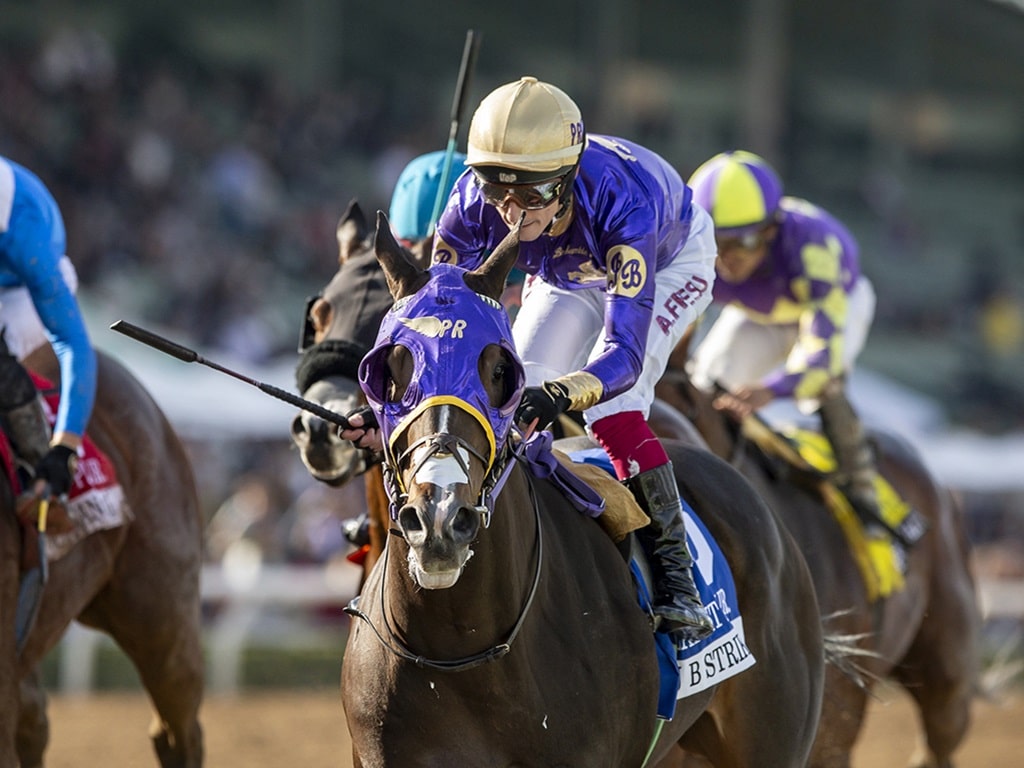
499 372
504 380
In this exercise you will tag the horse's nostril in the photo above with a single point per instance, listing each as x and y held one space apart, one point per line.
318 429
298 425
466 523
409 520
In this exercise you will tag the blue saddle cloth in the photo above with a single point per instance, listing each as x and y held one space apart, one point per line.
692 667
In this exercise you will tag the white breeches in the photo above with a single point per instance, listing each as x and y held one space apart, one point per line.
738 351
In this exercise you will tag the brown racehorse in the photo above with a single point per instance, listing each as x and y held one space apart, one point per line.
533 652
925 636
139 583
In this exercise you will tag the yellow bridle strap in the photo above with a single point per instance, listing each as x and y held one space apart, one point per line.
462 405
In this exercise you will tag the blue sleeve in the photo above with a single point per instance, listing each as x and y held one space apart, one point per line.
33 248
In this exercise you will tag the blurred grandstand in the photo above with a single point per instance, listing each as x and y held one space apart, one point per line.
203 154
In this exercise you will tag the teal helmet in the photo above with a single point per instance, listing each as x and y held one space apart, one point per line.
412 202
739 189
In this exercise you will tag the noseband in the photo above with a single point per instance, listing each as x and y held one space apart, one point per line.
444 444
495 481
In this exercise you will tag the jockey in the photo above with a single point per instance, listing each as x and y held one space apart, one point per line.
796 313
619 262
38 306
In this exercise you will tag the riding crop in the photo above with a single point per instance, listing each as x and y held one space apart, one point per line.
461 86
189 356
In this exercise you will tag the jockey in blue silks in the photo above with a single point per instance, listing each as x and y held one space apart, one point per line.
38 306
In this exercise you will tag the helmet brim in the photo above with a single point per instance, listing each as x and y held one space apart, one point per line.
501 174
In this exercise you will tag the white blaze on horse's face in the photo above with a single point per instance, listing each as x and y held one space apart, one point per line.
445 472
441 470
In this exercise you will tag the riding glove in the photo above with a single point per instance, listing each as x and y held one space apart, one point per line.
58 468
544 403
366 435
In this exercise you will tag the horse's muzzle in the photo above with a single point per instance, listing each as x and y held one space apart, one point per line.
440 527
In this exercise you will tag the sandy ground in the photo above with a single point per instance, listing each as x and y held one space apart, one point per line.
307 729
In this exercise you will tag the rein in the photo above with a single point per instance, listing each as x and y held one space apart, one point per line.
396 647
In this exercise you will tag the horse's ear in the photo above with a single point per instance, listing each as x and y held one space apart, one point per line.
489 278
404 278
352 231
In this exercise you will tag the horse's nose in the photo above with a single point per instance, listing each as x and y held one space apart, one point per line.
319 429
465 524
458 526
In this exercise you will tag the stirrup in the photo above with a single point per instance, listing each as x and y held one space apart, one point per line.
683 618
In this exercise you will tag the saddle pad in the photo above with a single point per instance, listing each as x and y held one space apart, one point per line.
724 653
96 501
881 560
619 519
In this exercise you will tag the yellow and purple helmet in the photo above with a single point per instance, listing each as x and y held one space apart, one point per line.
739 189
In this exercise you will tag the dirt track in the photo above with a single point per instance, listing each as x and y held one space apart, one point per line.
298 729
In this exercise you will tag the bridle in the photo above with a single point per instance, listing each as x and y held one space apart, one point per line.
495 481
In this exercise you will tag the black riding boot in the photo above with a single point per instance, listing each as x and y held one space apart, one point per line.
676 601
855 462
21 411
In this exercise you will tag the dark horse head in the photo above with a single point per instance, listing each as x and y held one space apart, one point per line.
447 333
339 328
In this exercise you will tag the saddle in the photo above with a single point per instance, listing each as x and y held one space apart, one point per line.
880 556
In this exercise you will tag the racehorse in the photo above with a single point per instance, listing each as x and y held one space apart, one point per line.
139 582
339 327
534 652
925 636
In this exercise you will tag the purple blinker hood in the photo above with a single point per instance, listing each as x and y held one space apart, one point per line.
445 326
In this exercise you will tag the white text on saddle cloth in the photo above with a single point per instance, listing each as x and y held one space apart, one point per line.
725 653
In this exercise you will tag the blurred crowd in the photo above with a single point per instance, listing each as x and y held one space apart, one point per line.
203 199
206 203
200 201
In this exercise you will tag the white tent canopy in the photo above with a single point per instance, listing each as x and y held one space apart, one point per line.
204 403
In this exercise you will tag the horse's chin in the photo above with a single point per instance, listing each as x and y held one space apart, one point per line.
436 578
334 478
333 470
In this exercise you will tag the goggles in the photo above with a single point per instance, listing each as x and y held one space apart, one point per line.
747 241
529 197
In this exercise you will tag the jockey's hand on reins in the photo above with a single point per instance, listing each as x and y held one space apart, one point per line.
362 429
543 404
56 470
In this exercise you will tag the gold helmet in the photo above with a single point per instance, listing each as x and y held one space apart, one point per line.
525 132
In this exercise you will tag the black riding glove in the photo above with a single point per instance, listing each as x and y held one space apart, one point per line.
57 468
367 435
544 403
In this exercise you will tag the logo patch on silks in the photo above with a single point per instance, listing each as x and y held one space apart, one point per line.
724 653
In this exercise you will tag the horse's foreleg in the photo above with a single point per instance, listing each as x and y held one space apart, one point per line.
33 724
